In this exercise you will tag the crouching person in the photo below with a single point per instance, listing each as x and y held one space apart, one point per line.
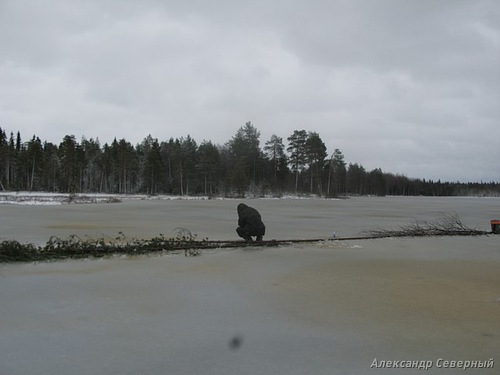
250 223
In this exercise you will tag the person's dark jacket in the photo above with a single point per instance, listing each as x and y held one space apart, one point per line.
250 220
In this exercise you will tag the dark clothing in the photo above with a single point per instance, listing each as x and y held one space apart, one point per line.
250 223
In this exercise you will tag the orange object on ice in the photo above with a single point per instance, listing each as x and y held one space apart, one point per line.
495 226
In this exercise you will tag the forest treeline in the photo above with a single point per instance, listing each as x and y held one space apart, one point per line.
240 167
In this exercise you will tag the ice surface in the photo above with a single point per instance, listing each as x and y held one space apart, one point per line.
325 308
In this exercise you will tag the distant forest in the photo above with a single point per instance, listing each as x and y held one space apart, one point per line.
181 166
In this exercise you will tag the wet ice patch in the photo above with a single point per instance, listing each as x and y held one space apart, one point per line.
335 244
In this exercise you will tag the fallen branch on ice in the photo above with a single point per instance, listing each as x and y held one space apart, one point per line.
447 225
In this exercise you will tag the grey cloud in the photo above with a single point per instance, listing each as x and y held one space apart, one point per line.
408 86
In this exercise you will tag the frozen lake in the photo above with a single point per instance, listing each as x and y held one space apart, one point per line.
325 308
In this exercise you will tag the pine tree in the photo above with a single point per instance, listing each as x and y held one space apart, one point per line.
244 147
297 149
275 152
209 165
315 156
336 174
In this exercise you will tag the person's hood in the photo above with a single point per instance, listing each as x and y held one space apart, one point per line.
242 207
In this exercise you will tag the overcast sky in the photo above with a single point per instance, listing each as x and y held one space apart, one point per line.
410 86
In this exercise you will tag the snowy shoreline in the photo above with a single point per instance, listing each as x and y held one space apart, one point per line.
28 198
37 198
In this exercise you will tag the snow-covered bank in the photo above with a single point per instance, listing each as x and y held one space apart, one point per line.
44 198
